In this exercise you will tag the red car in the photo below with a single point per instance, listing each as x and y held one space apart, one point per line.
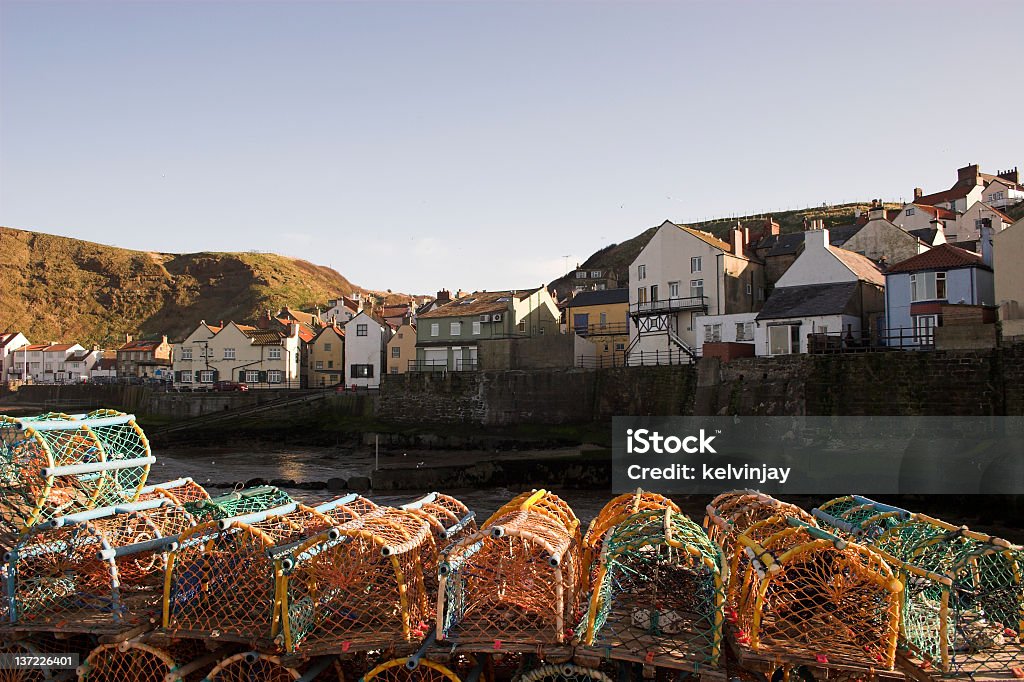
230 386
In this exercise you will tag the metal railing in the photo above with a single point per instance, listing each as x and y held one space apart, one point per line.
607 329
640 358
439 366
867 341
669 305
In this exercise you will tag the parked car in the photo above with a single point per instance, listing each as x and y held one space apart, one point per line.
230 386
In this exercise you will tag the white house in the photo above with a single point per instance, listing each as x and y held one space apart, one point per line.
366 340
680 275
922 216
78 366
828 295
10 342
343 309
1002 192
970 222
260 358
55 358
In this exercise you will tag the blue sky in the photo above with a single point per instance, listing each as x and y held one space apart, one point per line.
420 145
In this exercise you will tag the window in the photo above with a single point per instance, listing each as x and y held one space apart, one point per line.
784 339
206 377
274 376
394 370
750 288
927 286
229 353
319 364
361 330
274 354
522 326
362 371
252 377
396 351
997 196
641 295
327 348
654 292
604 319
695 264
330 364
620 346
455 329
910 211
581 274
596 274
924 328
696 288
186 377
712 333
435 329
476 327
673 289
641 272
744 331
186 353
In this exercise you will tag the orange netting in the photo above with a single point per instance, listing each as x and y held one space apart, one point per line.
369 582
517 580
617 510
183 491
103 567
252 666
809 595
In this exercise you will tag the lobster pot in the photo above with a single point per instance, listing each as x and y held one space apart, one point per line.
657 594
57 464
419 669
97 570
450 521
221 577
807 594
140 662
731 513
615 512
357 586
181 491
250 666
516 580
859 518
565 672
963 609
23 648
239 503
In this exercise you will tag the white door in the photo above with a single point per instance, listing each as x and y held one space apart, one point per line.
435 356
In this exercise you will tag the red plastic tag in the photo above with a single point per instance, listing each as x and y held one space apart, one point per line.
821 658
345 646
1010 632
649 657
1018 673
497 644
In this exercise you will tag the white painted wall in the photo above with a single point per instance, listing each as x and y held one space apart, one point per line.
816 264
365 350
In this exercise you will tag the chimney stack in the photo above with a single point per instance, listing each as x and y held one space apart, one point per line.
918 193
773 227
816 239
737 240
444 296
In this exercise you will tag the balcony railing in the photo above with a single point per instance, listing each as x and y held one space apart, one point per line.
866 341
607 329
669 305
650 358
440 366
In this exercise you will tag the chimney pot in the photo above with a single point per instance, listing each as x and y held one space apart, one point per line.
918 192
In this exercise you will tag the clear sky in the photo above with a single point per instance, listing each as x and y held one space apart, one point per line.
421 145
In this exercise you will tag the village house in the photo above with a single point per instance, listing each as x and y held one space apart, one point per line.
55 359
915 217
343 309
144 358
309 324
829 295
593 279
10 342
969 226
402 349
917 289
1004 190
79 365
105 369
259 358
882 241
681 275
397 314
1007 257
366 339
326 357
26 362
449 337
602 317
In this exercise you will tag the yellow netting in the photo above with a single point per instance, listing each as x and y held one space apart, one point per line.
807 594
397 670
516 581
730 514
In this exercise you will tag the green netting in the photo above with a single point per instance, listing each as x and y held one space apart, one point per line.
238 503
657 592
109 446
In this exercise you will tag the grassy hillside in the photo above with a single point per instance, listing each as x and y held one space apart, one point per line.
619 256
57 288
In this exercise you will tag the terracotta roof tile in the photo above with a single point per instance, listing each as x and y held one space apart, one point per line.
941 257
958 192
141 344
59 347
935 211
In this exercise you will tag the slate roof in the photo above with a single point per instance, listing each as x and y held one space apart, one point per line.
808 300
605 297
925 234
262 337
142 344
787 244
478 303
941 257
